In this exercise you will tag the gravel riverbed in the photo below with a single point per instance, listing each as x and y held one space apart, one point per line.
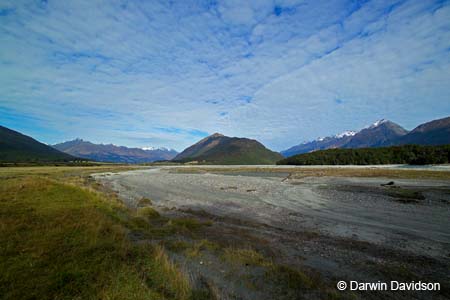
332 224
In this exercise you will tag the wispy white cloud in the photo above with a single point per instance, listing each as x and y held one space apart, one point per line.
160 73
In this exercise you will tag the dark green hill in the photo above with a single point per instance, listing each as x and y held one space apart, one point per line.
408 154
16 147
220 149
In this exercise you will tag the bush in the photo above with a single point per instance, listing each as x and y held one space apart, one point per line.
148 212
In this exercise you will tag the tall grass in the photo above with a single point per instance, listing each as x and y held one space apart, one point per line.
61 241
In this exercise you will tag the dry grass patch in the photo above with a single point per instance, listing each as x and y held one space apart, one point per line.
199 246
302 172
246 257
369 172
166 277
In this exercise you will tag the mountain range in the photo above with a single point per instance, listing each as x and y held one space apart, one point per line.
220 149
16 147
217 148
380 134
113 153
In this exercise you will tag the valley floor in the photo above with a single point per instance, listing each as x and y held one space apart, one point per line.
364 224
221 232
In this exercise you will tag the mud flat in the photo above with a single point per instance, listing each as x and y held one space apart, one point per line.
345 227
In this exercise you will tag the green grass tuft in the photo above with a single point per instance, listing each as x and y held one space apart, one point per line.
184 225
62 241
289 278
148 212
144 202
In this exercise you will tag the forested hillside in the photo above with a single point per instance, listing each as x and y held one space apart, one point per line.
408 154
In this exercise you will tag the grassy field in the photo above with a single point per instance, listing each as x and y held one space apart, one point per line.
62 239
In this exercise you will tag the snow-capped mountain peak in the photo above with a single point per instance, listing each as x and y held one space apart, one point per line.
345 133
337 136
378 123
165 149
155 148
382 132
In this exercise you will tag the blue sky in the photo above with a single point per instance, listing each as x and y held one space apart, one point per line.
167 73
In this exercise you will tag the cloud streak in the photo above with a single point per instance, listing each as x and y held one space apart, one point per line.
167 73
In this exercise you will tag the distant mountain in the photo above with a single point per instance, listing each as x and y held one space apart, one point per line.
436 132
220 149
329 142
380 133
16 147
113 153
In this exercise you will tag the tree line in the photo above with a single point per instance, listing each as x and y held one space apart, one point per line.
407 154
